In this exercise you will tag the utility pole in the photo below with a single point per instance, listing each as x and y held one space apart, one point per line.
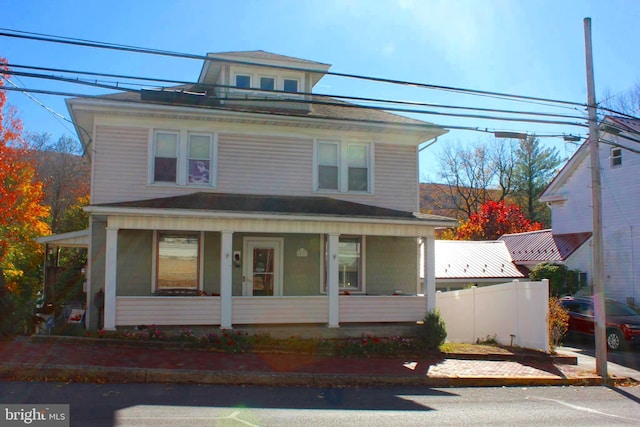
596 199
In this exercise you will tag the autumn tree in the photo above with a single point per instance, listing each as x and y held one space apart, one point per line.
22 214
64 173
494 219
475 175
535 166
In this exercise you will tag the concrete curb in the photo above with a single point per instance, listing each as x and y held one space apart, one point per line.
98 374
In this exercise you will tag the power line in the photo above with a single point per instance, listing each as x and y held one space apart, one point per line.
352 98
337 104
454 127
135 49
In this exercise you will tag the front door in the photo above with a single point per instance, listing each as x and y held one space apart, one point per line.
262 266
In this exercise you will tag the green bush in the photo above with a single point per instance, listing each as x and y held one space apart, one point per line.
562 281
432 333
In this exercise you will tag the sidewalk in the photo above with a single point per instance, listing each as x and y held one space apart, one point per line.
86 360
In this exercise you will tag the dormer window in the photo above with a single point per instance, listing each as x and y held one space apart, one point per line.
267 83
290 85
243 81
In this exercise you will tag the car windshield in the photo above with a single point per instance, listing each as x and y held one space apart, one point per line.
618 309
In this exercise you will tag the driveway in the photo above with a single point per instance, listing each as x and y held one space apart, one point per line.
621 363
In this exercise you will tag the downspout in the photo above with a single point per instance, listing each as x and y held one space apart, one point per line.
633 268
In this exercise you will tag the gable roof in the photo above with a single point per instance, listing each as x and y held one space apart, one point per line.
608 124
543 245
462 259
278 205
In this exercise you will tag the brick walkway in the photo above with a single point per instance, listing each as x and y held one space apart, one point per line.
85 355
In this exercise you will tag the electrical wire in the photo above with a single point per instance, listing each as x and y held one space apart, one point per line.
335 104
426 125
333 96
135 49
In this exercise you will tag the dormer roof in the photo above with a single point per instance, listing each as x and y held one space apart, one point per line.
260 58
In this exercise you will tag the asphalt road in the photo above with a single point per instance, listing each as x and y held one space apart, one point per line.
195 405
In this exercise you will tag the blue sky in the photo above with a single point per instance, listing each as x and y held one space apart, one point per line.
526 47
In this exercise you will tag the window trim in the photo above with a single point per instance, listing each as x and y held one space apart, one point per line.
155 258
267 76
153 148
343 166
298 85
255 75
362 264
616 157
182 167
213 159
242 74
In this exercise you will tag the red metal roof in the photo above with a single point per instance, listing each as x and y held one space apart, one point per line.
543 245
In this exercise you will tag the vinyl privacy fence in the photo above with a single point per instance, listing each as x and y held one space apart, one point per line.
514 313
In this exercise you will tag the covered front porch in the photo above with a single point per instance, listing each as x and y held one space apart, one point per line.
309 283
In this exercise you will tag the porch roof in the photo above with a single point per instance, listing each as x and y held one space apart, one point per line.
73 239
275 205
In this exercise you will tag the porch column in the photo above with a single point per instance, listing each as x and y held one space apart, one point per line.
110 272
430 272
332 281
226 274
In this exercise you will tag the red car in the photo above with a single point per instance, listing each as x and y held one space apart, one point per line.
623 323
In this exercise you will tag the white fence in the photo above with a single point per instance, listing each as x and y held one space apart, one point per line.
513 313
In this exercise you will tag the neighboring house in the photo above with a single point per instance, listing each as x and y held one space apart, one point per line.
569 195
532 248
243 199
464 263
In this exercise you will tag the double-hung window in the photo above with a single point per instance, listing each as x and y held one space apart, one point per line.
350 264
200 148
343 167
616 156
165 163
328 170
183 158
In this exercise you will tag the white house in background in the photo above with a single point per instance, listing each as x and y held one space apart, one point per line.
532 248
462 263
243 199
569 196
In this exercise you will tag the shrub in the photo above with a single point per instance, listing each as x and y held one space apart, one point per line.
432 333
558 322
562 281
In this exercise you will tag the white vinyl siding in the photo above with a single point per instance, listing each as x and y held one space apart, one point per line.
133 311
264 165
246 164
120 164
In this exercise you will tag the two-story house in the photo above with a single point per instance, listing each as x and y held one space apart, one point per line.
243 199
569 196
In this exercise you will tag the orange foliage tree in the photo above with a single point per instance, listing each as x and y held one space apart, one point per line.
22 214
493 220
